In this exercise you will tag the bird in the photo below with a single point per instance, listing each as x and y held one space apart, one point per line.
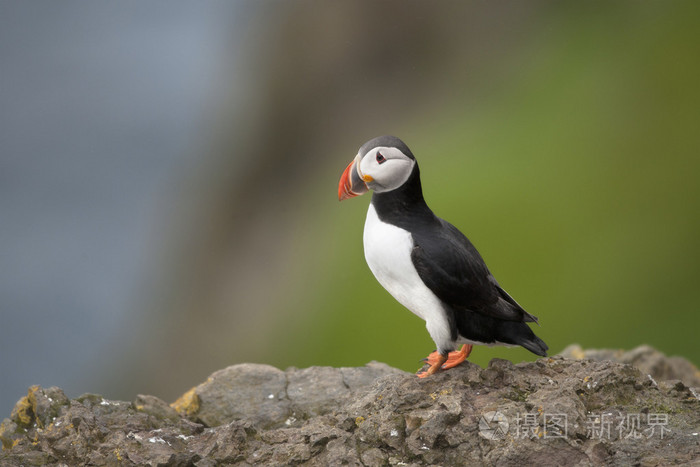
427 264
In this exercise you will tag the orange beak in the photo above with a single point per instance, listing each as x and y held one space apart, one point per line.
351 184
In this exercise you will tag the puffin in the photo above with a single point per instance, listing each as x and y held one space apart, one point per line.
427 264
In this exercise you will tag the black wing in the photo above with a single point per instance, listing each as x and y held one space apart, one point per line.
454 271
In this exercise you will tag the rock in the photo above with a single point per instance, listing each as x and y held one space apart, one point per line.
246 391
268 397
553 411
647 359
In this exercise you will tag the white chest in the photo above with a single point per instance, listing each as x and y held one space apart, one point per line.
388 254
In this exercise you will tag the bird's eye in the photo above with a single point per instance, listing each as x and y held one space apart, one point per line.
380 159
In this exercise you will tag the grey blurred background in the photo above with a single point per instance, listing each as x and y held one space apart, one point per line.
168 179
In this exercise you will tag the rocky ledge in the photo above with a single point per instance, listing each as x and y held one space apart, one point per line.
583 408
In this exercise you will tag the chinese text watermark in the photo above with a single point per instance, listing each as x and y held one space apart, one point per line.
494 425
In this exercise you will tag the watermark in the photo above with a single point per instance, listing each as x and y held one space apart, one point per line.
627 426
494 425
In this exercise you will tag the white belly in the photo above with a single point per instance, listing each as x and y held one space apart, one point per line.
388 254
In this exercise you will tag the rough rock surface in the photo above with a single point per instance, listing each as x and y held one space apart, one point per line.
555 411
647 359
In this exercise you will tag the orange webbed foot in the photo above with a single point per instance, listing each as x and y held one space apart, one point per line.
439 362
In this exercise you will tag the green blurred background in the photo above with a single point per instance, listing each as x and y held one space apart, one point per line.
561 137
570 160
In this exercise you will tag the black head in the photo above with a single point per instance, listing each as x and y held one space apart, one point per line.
386 141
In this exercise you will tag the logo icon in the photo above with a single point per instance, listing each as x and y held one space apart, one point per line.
493 425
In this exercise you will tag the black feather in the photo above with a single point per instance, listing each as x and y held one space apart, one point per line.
452 268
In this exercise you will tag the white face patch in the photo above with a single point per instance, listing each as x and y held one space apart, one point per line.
388 167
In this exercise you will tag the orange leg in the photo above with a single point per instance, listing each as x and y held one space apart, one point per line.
438 361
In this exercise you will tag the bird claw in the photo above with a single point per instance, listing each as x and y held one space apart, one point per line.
439 362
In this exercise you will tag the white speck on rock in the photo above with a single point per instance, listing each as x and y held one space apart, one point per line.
652 380
270 396
394 432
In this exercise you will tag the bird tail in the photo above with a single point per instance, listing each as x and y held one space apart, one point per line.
521 334
535 345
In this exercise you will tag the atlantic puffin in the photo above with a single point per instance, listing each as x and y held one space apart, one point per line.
428 265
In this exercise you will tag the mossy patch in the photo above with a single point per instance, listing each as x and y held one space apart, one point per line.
517 394
187 404
23 412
